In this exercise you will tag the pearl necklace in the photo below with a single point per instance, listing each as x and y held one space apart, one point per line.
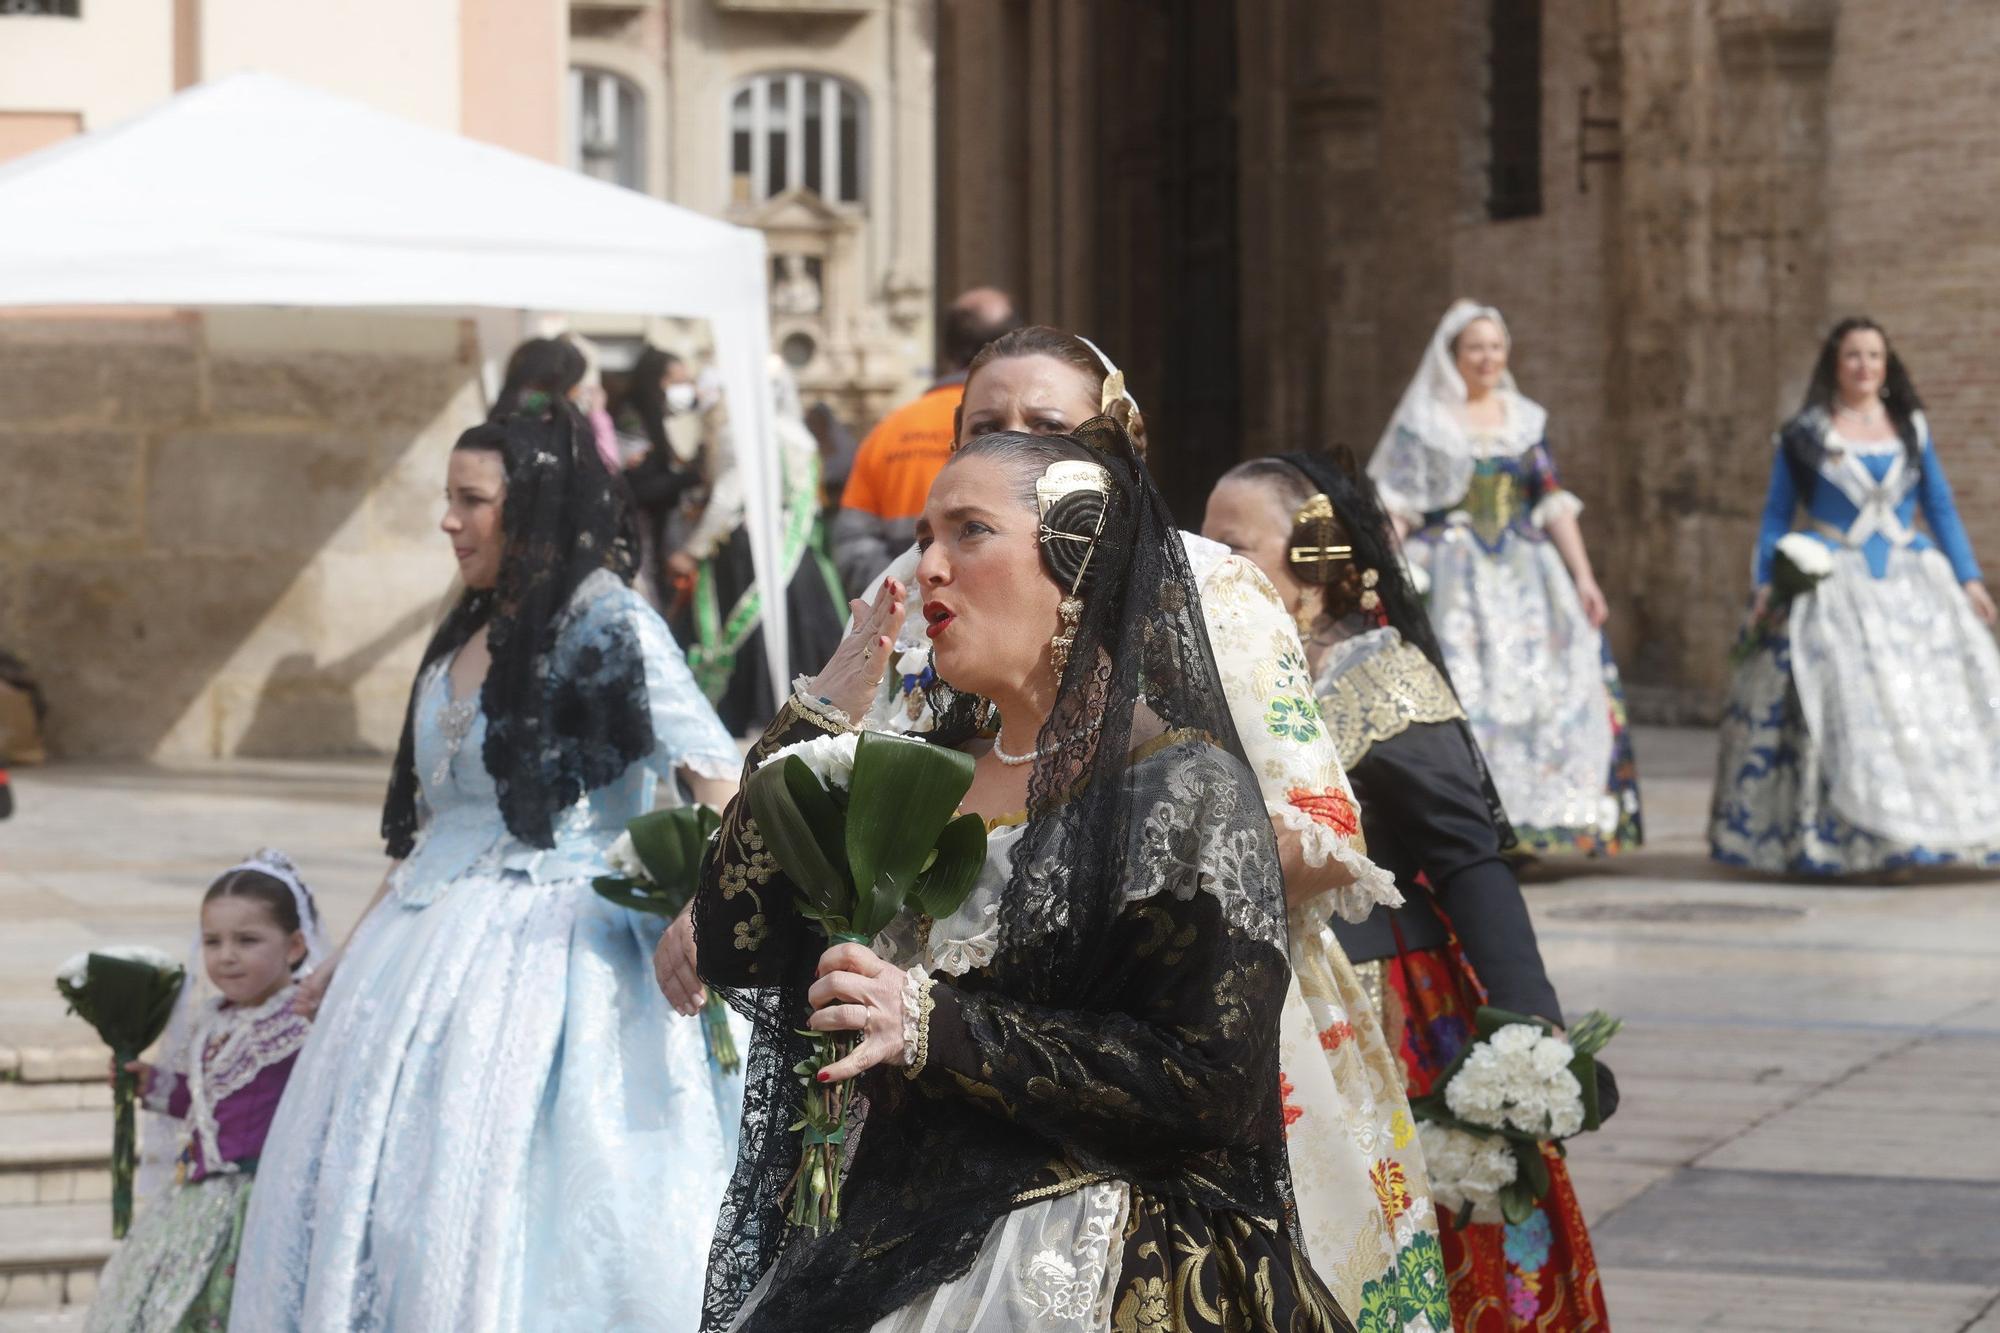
1867 416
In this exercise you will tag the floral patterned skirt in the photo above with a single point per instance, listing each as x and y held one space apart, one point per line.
176 1271
1539 1274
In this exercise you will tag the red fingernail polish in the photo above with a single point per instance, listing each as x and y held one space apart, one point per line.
822 1076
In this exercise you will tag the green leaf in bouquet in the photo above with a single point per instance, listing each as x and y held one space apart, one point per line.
903 795
944 884
1584 1067
636 894
1534 1172
782 801
1516 1203
670 843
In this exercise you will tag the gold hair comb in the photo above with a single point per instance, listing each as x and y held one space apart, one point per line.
1317 509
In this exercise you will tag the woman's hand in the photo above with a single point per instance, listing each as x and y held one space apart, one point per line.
1761 602
674 969
682 565
1595 609
858 992
1982 602
854 673
312 991
139 1067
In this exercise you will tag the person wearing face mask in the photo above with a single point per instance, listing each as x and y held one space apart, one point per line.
1863 728
894 468
1465 472
1361 1186
658 388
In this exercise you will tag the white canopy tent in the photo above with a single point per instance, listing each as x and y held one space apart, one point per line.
254 191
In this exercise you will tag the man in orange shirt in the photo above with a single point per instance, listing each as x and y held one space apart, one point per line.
896 464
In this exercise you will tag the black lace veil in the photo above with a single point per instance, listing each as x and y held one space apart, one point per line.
1366 527
551 735
1140 683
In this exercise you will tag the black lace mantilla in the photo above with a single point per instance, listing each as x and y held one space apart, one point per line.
565 712
1127 1026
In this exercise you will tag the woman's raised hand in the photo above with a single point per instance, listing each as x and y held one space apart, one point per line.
854 673
312 991
858 992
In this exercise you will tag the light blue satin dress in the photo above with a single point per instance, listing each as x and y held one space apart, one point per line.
498 1124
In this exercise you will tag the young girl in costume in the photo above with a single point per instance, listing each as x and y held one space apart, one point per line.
226 1056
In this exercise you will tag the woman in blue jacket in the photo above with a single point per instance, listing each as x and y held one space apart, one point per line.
1863 727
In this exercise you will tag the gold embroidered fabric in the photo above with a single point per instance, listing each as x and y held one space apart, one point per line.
1380 697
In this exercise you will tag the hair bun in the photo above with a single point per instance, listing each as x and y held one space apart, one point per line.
1073 537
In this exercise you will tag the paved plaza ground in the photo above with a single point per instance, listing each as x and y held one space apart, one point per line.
1809 1136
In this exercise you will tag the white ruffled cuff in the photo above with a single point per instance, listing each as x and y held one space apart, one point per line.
1554 505
1369 886
917 1005
159 1090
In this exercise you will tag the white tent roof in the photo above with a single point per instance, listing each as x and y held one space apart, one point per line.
253 191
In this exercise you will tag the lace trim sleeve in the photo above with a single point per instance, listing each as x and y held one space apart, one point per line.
1555 505
917 1007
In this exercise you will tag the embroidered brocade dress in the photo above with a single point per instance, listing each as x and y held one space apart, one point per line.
1358 1174
177 1268
1079 1251
1864 735
1538 682
1461 937
498 1125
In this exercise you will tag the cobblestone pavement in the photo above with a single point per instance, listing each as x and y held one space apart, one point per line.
1808 1138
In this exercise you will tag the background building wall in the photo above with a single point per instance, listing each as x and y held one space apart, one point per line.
1753 169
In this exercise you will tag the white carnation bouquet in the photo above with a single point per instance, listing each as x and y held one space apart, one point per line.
1520 1085
1798 565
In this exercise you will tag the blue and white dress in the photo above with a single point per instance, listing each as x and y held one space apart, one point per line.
1864 734
498 1123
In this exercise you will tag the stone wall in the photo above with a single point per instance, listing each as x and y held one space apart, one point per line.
1767 166
217 533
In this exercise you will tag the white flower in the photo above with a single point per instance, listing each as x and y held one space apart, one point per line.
1550 1054
914 660
831 758
1466 1168
76 971
1514 1037
1807 554
623 858
1519 1078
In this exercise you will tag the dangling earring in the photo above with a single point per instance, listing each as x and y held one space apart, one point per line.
1071 611
1370 599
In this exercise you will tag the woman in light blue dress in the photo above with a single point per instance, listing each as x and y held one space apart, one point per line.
498 1124
1863 726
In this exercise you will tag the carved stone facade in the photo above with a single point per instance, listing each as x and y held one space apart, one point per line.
811 119
1262 209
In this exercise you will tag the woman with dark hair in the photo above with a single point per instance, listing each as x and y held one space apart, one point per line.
498 1123
1348 1120
1465 473
1073 1116
1863 727
1462 936
545 372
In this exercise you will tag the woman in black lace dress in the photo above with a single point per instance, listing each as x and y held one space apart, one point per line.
1072 1115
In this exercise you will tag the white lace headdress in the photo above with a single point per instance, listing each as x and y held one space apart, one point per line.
165 1137
1425 457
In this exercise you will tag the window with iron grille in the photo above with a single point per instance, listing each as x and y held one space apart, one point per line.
791 128
1514 110
609 116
